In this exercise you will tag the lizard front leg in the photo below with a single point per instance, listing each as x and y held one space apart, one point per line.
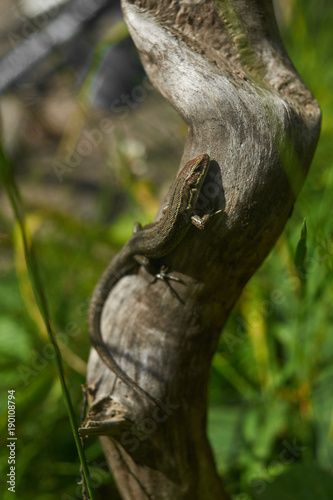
201 222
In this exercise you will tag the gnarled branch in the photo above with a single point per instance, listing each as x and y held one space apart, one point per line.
224 68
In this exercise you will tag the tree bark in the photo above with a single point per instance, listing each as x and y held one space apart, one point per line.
224 68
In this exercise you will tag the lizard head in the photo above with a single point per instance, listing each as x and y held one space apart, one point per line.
195 171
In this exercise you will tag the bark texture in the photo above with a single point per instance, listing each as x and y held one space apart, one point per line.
224 68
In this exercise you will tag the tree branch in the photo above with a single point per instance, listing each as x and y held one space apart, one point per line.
224 68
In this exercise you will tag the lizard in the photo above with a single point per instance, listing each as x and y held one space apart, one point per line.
155 240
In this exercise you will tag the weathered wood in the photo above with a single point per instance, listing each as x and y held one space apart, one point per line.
224 68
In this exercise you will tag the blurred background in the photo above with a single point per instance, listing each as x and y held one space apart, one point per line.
95 148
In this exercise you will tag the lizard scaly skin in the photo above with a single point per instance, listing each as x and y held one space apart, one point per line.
154 240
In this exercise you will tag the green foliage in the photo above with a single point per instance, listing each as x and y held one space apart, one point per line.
47 463
300 482
32 269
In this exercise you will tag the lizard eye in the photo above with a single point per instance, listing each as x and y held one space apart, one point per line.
203 159
199 167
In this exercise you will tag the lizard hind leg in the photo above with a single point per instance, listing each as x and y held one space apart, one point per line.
164 275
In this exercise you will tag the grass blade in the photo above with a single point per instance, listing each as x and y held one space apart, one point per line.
10 187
